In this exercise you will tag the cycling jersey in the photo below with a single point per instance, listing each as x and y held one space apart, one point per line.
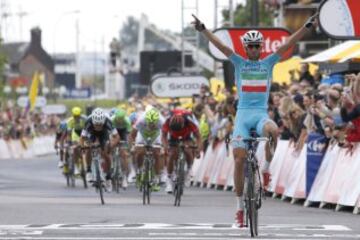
184 133
75 126
124 125
146 130
102 135
253 80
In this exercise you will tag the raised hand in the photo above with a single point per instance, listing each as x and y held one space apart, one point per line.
199 26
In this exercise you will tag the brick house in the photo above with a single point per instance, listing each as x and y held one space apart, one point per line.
25 58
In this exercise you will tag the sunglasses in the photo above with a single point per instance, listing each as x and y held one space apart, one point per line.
256 46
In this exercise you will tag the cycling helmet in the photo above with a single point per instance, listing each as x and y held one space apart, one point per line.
98 116
112 111
152 116
252 37
120 114
63 126
177 122
76 111
132 117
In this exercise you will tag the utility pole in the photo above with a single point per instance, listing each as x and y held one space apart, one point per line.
255 12
21 14
77 57
231 13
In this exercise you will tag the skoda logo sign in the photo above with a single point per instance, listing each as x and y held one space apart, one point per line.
177 86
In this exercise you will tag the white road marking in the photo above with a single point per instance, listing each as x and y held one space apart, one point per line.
164 226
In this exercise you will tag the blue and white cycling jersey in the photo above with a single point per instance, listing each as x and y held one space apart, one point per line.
253 81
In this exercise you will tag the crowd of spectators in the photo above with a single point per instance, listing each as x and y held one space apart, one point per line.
306 105
18 123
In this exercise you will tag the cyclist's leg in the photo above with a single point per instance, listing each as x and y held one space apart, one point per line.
171 160
268 128
158 165
123 153
105 154
243 122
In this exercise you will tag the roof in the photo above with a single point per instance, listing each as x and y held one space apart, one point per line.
349 50
14 51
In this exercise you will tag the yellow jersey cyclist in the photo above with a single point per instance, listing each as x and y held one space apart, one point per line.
122 125
147 130
75 125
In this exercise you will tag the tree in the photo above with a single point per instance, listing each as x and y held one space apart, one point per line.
243 13
3 61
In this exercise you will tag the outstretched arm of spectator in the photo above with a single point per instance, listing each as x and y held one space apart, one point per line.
200 27
311 23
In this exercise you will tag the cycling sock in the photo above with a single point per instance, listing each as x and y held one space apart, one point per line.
266 166
240 203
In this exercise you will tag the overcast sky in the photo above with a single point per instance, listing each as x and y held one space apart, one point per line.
98 19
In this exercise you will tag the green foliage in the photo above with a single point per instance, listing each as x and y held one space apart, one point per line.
243 13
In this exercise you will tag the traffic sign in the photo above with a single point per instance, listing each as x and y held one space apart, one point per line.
177 86
231 37
340 19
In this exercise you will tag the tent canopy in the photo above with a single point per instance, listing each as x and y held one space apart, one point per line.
346 51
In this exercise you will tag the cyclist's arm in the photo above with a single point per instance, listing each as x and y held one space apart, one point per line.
217 43
297 36
132 136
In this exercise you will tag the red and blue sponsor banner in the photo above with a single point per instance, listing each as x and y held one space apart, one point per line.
316 148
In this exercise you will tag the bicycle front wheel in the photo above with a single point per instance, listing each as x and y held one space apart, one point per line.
252 204
99 183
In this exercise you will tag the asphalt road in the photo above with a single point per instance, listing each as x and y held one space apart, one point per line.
36 204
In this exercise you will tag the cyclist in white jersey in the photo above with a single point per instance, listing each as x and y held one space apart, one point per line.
253 80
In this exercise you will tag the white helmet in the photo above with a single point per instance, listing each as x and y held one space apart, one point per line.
252 37
98 116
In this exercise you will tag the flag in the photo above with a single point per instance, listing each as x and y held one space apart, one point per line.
34 90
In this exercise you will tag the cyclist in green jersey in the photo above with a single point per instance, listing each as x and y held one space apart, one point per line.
122 125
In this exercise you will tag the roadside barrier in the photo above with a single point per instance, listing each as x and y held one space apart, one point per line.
16 149
336 181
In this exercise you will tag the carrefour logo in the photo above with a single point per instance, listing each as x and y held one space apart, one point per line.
316 146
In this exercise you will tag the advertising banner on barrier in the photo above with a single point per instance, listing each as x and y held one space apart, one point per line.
231 37
340 19
316 148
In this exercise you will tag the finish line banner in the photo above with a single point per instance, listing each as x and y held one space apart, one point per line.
231 37
316 148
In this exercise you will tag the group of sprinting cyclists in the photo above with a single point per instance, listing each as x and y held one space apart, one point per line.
136 130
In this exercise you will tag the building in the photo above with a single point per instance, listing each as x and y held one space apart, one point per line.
24 58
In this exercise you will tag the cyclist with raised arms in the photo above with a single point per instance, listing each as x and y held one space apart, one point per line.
253 80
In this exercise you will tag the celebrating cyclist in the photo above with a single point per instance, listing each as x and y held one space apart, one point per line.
147 130
98 128
123 126
179 126
253 79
